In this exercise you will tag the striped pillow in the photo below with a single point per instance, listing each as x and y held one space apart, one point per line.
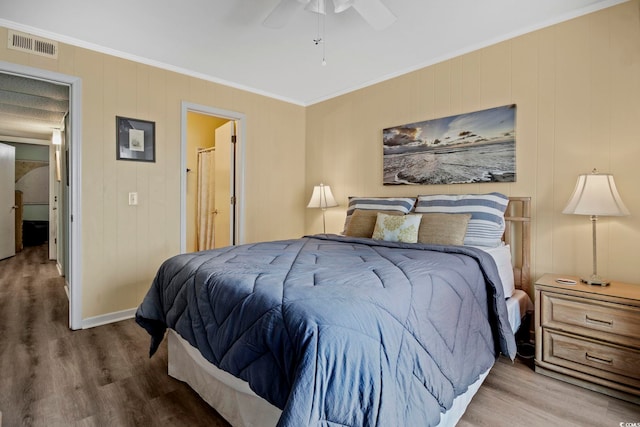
486 225
398 204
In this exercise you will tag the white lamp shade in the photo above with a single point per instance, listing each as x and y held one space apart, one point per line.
322 197
596 194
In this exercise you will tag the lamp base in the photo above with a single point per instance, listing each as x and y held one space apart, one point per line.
595 281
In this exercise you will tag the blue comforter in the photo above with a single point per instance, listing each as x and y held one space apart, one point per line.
336 330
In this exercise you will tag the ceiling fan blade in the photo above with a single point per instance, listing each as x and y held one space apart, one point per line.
375 13
282 13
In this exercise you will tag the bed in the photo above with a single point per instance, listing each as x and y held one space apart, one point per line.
288 333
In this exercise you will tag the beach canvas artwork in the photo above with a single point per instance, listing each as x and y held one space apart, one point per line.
467 148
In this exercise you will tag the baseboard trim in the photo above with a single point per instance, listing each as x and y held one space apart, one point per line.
105 319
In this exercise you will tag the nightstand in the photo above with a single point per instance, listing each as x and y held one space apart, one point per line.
589 335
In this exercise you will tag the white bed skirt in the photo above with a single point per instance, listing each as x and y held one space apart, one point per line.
241 407
230 396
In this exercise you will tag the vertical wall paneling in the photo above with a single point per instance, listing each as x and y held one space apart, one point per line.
624 85
545 208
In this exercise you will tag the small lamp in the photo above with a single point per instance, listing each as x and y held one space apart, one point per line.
322 198
595 195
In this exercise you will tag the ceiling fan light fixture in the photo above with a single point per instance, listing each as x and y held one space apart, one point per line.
341 5
374 12
317 6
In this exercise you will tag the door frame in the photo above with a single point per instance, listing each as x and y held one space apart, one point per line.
240 119
74 281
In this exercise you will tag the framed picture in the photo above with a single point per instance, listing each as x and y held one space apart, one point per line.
466 148
135 139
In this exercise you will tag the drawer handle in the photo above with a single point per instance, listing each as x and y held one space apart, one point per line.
598 359
599 322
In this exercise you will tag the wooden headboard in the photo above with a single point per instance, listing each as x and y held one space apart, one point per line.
517 234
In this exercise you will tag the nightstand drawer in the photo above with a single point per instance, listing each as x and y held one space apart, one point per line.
611 322
598 359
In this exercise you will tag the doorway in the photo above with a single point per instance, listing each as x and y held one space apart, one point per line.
71 221
217 135
215 190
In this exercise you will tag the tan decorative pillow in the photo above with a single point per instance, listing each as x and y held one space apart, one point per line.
394 228
363 221
443 228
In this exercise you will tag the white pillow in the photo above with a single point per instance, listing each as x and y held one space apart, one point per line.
486 225
397 228
502 257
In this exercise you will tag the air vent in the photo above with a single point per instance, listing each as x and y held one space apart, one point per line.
32 44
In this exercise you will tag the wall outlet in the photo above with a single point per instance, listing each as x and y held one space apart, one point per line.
133 199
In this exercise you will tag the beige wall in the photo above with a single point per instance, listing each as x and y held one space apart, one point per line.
123 245
577 90
201 133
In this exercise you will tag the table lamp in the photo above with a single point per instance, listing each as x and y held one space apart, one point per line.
595 195
322 198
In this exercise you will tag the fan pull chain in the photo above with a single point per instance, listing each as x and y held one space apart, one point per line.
324 42
320 37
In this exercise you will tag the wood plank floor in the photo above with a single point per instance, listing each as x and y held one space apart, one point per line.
52 376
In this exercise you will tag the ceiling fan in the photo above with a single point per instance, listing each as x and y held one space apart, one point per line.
373 11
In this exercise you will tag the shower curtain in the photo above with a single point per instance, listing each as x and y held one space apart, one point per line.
205 232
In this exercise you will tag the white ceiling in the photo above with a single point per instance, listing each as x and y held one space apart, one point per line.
224 40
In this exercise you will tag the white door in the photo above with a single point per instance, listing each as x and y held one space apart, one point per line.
224 170
7 201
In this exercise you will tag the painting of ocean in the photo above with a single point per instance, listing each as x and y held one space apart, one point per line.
467 148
